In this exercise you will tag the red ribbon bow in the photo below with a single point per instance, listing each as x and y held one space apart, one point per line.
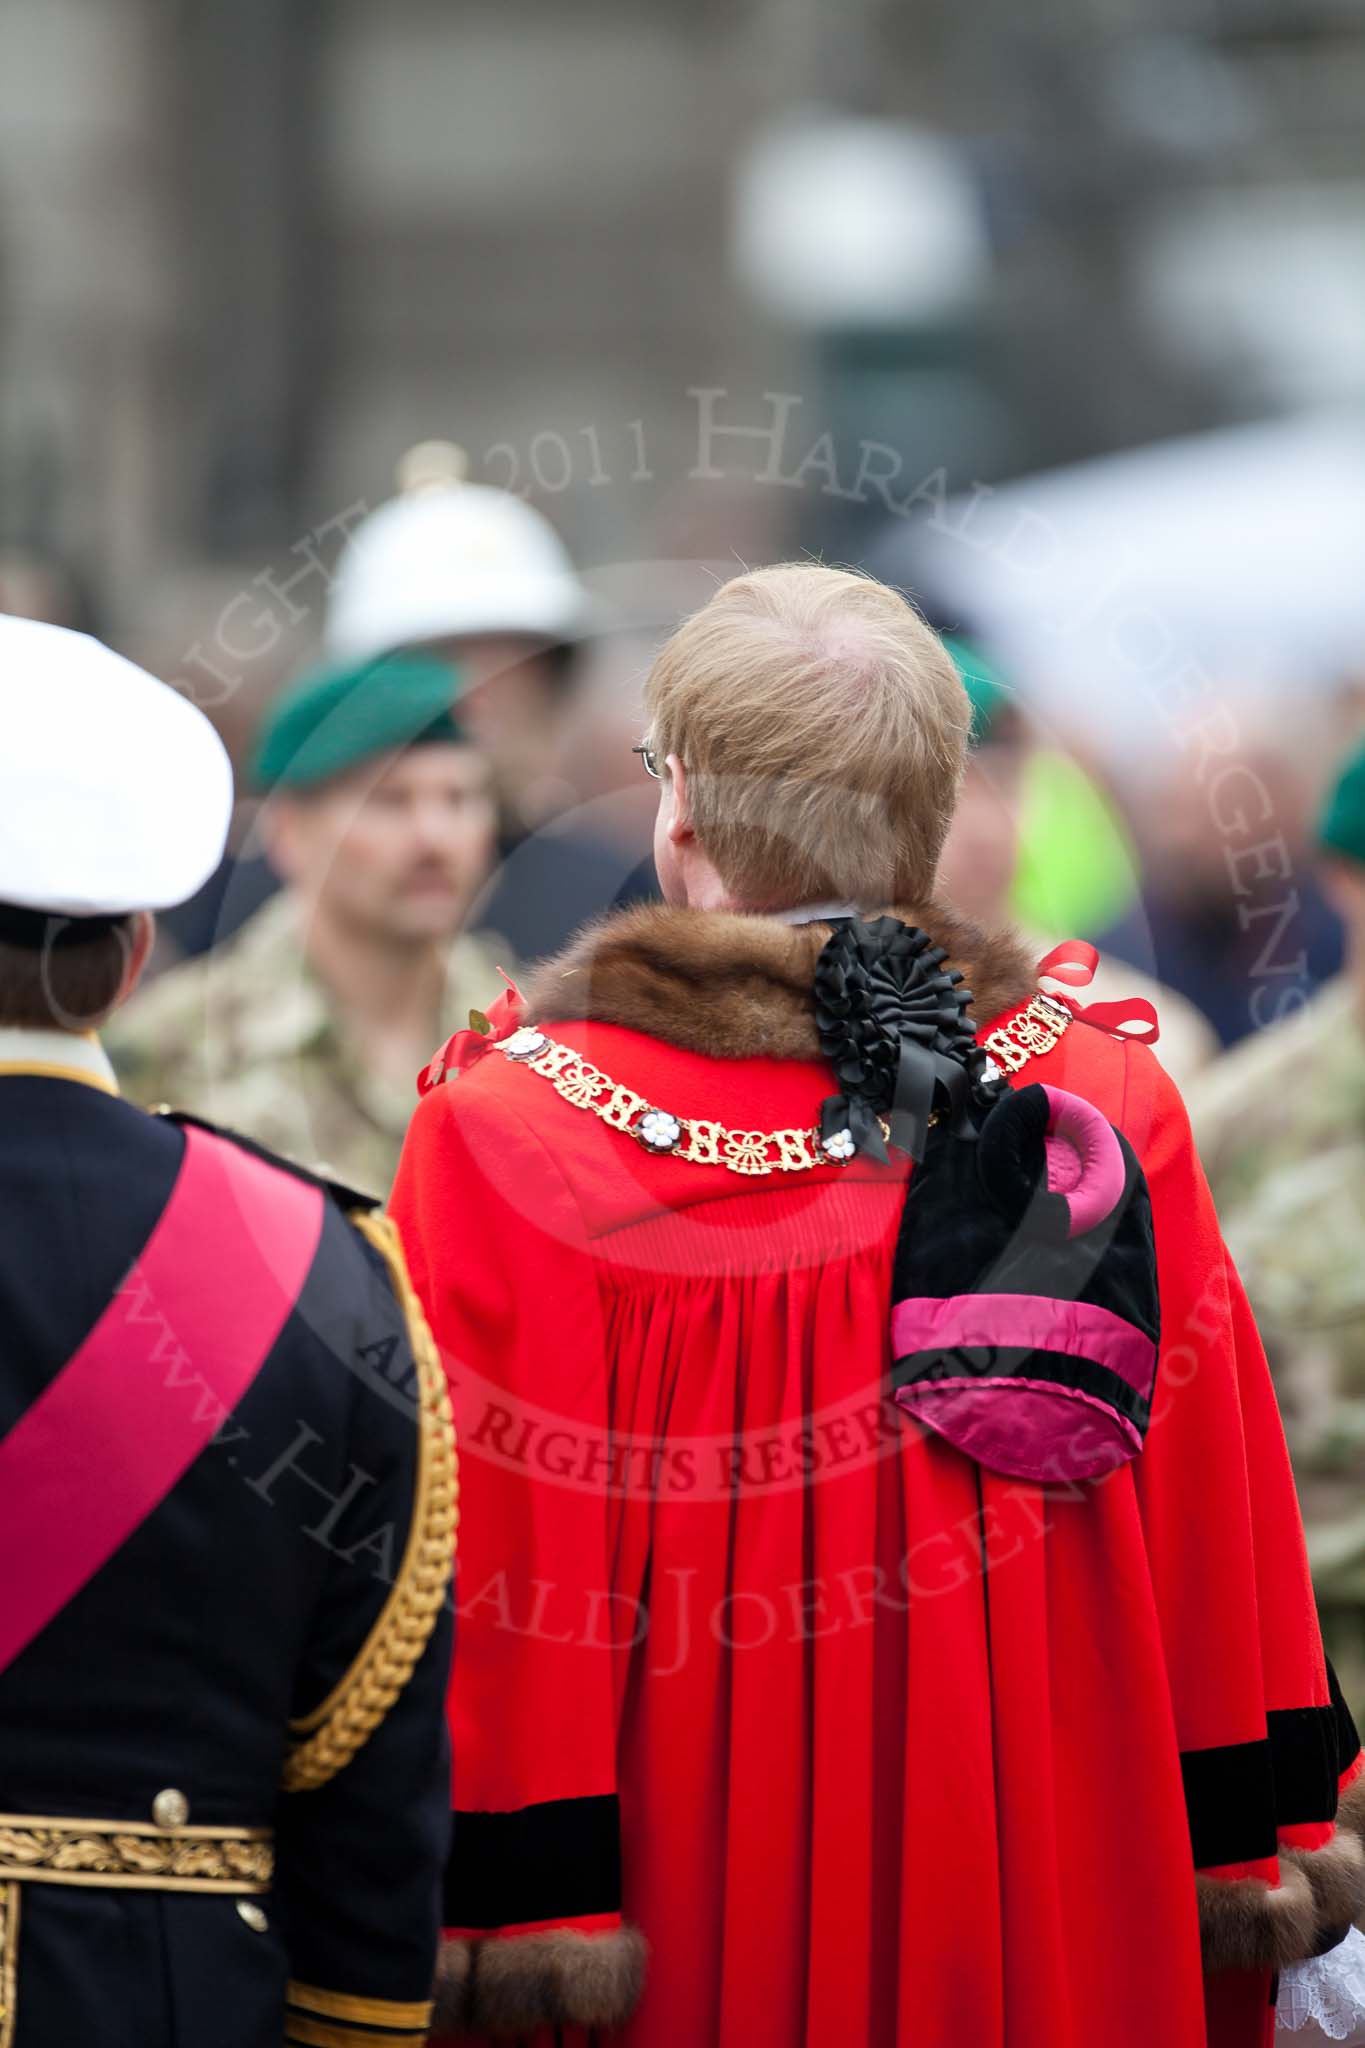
1074 962
464 1049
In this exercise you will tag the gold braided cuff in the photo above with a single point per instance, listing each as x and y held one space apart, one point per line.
319 2018
305 2033
394 2013
334 1731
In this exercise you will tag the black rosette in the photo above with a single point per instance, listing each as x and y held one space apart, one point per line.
892 1024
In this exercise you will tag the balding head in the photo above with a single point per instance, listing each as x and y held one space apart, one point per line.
822 729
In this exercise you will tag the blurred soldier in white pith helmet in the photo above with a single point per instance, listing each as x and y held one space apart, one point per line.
478 575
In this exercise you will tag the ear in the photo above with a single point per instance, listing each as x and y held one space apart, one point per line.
680 821
1343 883
140 942
275 823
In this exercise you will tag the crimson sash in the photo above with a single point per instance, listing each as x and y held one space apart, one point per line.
172 1355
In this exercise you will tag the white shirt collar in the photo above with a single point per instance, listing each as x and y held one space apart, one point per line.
57 1055
816 913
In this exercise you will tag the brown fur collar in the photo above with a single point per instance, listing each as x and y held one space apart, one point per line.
739 987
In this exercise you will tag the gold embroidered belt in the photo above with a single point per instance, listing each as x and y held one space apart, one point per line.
37 1849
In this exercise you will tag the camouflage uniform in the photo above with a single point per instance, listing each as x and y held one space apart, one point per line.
249 1037
1281 1126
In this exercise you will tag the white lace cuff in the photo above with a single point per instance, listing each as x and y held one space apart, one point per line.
1324 2000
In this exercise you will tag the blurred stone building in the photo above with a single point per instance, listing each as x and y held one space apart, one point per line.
250 250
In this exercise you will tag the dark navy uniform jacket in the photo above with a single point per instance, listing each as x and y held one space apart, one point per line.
164 1690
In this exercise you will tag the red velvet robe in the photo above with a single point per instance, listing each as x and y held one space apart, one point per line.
896 1745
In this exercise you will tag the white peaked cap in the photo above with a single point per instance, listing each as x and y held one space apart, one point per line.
115 792
450 560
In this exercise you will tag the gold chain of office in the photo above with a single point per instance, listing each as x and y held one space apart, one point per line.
346 1719
1032 1031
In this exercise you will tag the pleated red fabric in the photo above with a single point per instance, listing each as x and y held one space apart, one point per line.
896 1743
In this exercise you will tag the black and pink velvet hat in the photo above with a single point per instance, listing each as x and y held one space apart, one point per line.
1024 1318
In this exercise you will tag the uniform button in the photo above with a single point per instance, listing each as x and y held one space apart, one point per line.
253 1915
170 1809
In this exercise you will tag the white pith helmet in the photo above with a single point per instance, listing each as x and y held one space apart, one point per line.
446 559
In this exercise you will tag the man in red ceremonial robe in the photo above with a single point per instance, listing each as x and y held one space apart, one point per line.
776 1718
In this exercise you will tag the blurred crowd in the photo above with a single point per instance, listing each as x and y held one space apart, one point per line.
454 783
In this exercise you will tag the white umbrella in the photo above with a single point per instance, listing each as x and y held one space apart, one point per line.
1111 591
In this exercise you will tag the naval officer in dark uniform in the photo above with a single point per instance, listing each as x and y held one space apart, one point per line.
227 1474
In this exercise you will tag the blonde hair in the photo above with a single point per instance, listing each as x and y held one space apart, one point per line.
823 728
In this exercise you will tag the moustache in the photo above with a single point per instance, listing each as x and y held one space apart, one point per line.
428 874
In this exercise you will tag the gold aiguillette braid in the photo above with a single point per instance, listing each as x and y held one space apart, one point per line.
337 1729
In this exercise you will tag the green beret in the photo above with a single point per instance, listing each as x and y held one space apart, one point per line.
992 698
1341 827
334 717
